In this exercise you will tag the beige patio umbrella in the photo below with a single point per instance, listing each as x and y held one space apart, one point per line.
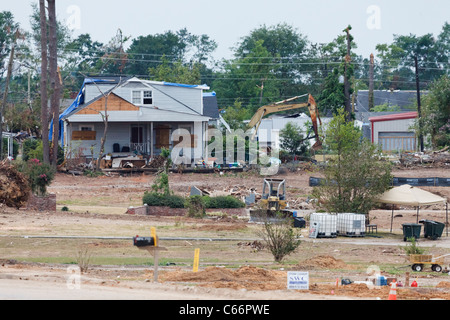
411 196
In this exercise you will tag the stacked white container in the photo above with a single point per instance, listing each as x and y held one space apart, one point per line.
324 225
351 224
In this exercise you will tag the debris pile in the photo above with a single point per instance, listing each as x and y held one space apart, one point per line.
156 163
435 158
14 186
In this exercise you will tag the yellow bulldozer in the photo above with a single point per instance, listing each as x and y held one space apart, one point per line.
273 201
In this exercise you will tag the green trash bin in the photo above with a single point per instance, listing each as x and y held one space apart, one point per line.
411 230
432 229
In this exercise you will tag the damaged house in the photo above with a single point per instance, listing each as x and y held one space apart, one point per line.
142 115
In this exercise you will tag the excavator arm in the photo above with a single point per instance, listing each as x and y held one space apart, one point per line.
255 122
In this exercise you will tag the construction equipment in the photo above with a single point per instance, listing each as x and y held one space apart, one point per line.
273 201
274 194
420 260
255 122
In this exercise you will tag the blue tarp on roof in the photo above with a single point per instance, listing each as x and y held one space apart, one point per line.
180 85
79 100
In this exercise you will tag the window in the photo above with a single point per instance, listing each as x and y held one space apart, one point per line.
142 97
136 97
148 97
86 128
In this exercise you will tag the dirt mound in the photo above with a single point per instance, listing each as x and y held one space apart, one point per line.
323 262
248 277
443 284
14 187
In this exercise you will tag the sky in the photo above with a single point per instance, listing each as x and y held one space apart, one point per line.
226 22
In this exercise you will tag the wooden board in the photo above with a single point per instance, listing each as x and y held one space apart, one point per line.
84 135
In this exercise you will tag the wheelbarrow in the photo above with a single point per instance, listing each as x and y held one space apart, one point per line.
419 261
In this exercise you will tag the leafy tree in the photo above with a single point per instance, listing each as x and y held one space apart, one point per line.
286 47
332 95
397 69
176 72
180 47
249 79
236 114
7 29
332 58
356 174
436 113
292 139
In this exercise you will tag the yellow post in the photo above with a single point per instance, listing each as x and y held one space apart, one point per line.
153 235
196 259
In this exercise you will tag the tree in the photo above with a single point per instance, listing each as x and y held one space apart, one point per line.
181 46
279 236
250 79
356 174
55 80
436 113
332 95
285 47
292 139
337 72
44 81
396 67
176 72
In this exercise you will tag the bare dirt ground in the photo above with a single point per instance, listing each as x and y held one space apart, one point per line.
233 269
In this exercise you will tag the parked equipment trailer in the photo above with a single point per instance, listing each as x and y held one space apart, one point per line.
419 261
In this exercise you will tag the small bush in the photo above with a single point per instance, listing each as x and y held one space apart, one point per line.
223 202
196 206
40 175
158 200
413 248
174 201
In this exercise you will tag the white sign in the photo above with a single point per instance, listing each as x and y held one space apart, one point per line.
298 280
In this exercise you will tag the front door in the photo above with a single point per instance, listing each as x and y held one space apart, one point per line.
138 139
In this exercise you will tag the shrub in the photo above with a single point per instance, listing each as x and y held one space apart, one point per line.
158 200
279 236
223 202
413 248
40 175
196 206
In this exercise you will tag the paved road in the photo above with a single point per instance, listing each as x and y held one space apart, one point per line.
14 289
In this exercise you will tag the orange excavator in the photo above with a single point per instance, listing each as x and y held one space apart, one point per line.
255 122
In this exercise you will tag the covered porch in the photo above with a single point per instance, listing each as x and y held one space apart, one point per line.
143 139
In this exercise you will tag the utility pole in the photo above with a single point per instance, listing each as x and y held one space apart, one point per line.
348 59
371 84
419 110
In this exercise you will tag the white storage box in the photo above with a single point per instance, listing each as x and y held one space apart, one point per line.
351 224
324 225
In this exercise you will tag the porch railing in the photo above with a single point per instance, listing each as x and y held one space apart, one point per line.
139 147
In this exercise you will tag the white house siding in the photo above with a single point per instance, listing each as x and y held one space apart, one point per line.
173 105
120 133
166 97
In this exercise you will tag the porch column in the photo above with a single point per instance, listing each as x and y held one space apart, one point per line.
151 140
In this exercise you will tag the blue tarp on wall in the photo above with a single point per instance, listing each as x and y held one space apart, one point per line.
79 100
